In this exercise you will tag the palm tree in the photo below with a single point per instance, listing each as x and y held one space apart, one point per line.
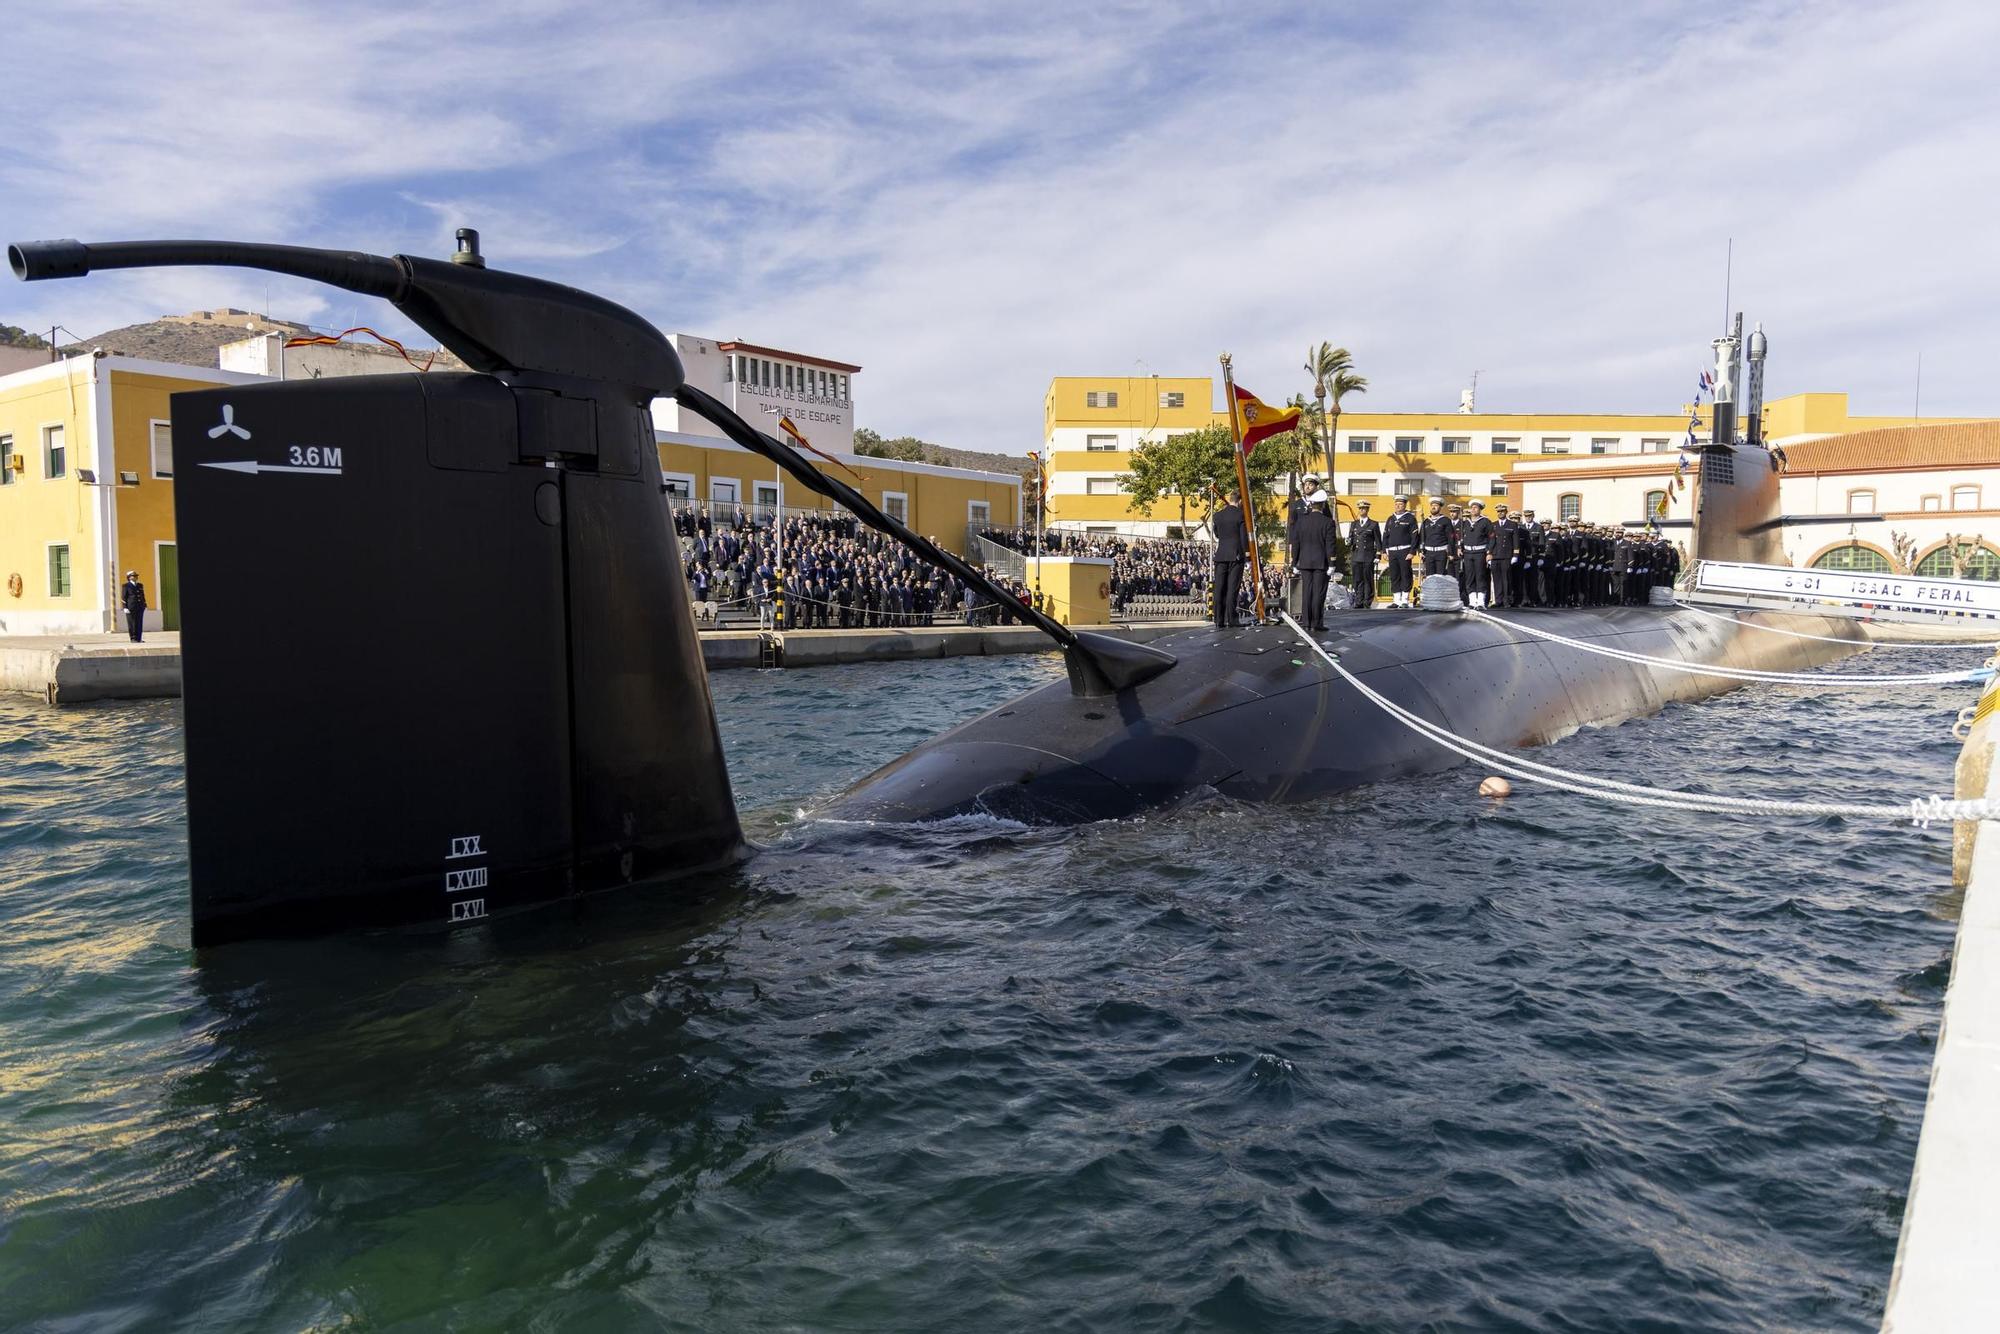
1332 370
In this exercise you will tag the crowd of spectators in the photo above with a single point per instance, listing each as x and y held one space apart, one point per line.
838 574
1140 566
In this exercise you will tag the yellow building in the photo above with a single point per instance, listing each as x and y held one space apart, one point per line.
86 491
1091 425
938 502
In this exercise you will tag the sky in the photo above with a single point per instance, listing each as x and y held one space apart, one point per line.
968 200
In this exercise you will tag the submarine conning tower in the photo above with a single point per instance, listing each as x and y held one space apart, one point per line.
1736 510
438 660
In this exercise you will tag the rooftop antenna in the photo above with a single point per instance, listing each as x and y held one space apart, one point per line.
1467 401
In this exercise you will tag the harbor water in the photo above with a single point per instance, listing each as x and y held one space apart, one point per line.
1404 1058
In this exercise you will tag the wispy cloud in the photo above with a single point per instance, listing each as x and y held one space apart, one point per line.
971 199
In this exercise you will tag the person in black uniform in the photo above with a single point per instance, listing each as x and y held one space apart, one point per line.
1474 542
1534 582
1621 570
1436 538
1232 545
1364 545
1503 562
1297 506
133 594
1313 557
1399 543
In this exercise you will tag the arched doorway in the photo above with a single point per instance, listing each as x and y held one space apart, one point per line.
1852 558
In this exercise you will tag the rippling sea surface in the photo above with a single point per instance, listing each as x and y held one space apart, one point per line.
1405 1058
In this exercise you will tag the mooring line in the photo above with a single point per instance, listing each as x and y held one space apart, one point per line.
1920 811
1984 645
1739 673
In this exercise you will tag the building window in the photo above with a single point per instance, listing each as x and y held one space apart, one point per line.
896 504
59 571
1855 558
979 513
1569 505
1962 497
1980 563
1099 443
1457 486
1409 444
1457 445
1361 444
723 491
1601 444
764 501
1497 487
1861 501
679 485
1506 444
1362 486
163 451
1100 486
1555 444
1409 486
1657 445
1173 399
55 459
6 460
1656 504
1101 398
1931 503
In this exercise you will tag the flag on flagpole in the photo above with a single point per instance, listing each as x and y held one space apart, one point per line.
785 425
1257 420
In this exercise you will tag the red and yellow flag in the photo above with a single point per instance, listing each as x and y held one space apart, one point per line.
785 425
1257 420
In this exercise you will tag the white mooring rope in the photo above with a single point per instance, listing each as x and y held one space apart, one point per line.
1832 639
1740 673
1921 811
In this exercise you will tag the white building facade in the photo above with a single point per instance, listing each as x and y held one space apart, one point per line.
762 384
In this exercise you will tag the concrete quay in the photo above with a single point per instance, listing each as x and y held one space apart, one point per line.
1951 1225
822 648
75 669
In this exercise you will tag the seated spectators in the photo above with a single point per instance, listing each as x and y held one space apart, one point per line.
1140 566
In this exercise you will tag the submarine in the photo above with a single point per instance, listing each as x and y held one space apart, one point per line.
438 664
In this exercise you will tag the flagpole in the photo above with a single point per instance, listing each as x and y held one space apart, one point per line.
1243 492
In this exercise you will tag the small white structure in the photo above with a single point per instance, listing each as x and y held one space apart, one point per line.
762 384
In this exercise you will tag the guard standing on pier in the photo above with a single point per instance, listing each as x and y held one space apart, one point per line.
1313 557
1399 541
1364 544
1503 562
1474 542
1232 545
133 594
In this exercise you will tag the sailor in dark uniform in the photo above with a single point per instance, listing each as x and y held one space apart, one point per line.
1436 538
1296 506
1364 545
1503 562
1313 557
1399 543
1534 557
1232 545
1475 539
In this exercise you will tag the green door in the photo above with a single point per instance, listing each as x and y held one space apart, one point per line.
170 586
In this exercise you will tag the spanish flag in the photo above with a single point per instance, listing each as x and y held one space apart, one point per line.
1257 420
785 425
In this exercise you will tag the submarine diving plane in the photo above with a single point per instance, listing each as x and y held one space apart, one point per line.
438 664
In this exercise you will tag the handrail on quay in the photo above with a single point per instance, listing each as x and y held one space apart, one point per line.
1951 1225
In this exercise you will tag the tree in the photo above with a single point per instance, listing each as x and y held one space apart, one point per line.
10 336
1332 369
906 448
1195 463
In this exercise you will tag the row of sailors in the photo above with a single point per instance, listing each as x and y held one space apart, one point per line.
1504 561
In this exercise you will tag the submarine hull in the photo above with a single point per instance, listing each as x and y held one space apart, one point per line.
1255 714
